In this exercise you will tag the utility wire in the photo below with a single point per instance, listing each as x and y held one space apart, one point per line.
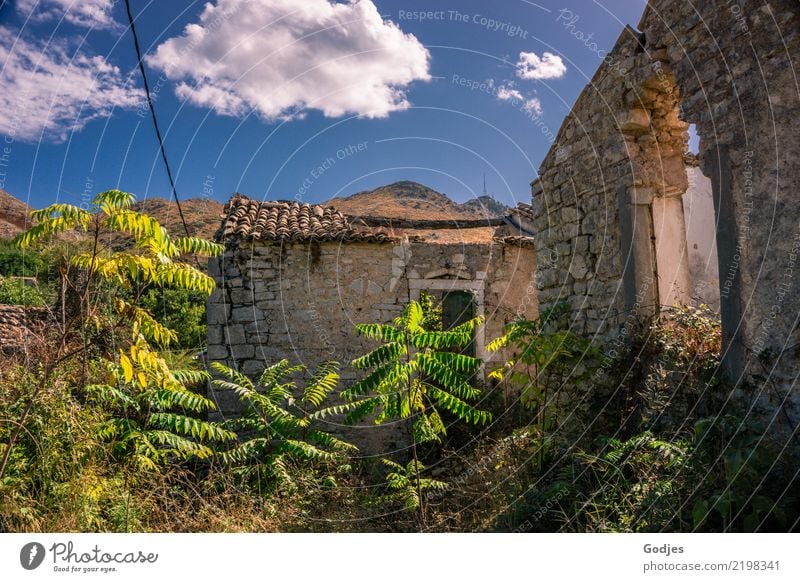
153 115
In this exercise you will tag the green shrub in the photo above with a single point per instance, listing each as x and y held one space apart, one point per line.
16 262
279 425
181 310
21 292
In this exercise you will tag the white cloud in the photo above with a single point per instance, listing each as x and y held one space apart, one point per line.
531 66
48 89
507 92
277 57
88 13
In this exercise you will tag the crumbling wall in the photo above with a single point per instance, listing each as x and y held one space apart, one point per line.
612 183
302 301
744 99
605 188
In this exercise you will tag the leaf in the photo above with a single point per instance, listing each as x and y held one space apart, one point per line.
383 354
414 315
237 377
459 408
450 380
324 381
383 333
191 427
111 200
198 246
126 365
146 323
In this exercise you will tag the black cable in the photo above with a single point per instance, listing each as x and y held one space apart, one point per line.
153 115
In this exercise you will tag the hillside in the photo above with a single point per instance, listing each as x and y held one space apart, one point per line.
14 215
485 206
414 201
203 216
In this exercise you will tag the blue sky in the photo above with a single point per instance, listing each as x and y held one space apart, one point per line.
284 103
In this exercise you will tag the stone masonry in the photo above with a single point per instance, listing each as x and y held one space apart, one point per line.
301 300
611 237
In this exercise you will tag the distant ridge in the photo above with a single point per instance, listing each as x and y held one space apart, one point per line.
203 215
14 215
413 201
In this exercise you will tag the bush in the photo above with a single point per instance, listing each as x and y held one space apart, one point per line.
21 292
181 310
16 262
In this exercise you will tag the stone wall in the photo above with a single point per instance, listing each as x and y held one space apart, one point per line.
607 202
302 301
744 100
698 210
619 151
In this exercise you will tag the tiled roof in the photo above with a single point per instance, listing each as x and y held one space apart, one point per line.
520 241
524 210
16 323
247 219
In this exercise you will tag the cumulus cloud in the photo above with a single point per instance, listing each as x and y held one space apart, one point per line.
49 91
548 66
507 92
278 57
87 13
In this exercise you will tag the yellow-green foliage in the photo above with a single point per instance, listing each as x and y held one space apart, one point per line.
413 373
280 420
150 404
154 261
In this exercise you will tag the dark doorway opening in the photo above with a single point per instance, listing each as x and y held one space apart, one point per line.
458 307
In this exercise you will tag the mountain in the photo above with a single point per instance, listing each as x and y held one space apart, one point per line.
486 206
203 215
414 201
14 215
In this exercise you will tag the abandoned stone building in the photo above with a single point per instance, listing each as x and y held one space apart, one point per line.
626 222
617 235
295 279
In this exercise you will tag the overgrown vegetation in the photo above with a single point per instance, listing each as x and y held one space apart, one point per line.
415 376
105 424
684 457
277 426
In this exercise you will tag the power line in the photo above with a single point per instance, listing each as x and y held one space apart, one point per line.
153 115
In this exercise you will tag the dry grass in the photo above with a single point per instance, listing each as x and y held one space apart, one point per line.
13 215
407 200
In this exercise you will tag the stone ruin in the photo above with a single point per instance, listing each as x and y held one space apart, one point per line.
622 214
609 203
295 279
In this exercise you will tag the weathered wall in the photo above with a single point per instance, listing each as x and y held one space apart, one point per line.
617 162
619 149
698 210
744 100
301 302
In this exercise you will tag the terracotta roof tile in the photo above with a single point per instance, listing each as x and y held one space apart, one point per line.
520 241
522 209
247 219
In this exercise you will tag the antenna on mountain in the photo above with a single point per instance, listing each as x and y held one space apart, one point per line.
485 193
